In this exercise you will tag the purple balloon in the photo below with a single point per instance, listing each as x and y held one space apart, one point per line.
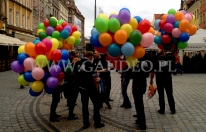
170 19
49 30
52 82
48 43
68 28
114 16
55 70
124 16
17 67
183 11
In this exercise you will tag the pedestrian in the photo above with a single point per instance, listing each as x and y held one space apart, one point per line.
162 67
177 64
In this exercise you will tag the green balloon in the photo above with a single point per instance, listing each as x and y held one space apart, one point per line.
60 22
49 37
135 37
182 45
52 22
22 81
172 11
77 42
167 46
113 25
41 26
68 69
101 25
42 35
56 35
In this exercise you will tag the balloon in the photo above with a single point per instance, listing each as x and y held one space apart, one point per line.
164 17
114 13
55 70
21 49
52 82
68 28
41 61
41 26
63 64
158 34
183 11
187 17
21 57
131 61
139 52
65 54
22 81
101 49
76 35
74 28
158 40
174 40
64 24
41 48
147 40
111 58
156 24
60 77
135 37
113 16
119 64
39 31
37 86
144 26
182 45
56 35
29 63
114 50
168 27
192 29
36 41
105 39
101 25
170 19
67 46
113 25
134 23
49 30
60 22
94 40
55 43
151 30
127 28
64 34
103 16
35 94
179 15
176 24
162 24
166 39
56 55
59 28
184 24
184 37
94 31
172 11
161 46
77 42
47 43
124 16
163 33
46 23
49 37
176 32
17 67
120 36
127 49
37 73
50 90
193 19
125 9
52 22
46 76
42 35
139 19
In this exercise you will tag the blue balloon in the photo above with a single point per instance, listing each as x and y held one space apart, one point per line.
175 40
158 40
28 76
21 57
36 41
49 90
37 38
127 49
32 93
94 31
176 24
94 40
125 9
46 76
63 64
156 24
64 34
163 32
184 37
138 18
114 50
65 54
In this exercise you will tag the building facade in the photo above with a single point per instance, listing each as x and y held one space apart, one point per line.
203 14
55 8
3 19
63 13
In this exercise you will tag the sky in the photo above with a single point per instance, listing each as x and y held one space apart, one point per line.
144 9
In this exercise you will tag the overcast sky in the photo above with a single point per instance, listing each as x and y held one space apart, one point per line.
144 8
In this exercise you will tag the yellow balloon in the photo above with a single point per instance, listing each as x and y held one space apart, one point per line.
41 61
127 28
39 31
193 19
55 44
37 86
114 13
76 35
21 49
60 44
131 61
103 16
134 23
71 40
22 81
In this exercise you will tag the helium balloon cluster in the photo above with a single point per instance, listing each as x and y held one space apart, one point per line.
175 29
121 34
44 62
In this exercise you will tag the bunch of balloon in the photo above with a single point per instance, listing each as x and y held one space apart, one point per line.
120 34
44 62
175 29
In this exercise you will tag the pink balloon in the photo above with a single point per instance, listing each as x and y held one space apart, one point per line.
176 32
48 43
37 73
147 40
190 14
29 64
168 27
187 17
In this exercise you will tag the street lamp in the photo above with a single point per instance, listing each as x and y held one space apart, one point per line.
95 10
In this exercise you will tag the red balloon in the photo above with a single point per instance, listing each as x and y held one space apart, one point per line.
112 35
46 23
74 28
161 46
144 26
162 24
119 64
112 59
40 48
65 24
59 28
56 55
60 77
102 49
174 46
166 39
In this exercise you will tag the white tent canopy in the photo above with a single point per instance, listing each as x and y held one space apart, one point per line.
10 41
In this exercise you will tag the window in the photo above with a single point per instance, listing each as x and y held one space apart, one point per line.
70 19
28 22
10 16
195 15
201 19
23 21
23 2
198 13
17 18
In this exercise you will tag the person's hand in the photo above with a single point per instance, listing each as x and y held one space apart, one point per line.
75 60
98 79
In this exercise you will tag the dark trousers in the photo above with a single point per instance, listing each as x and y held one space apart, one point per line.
54 104
95 98
124 84
71 101
108 85
167 86
104 95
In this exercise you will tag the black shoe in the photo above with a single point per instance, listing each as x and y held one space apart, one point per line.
110 99
161 112
54 120
86 125
122 106
141 128
57 116
72 118
21 87
134 115
173 112
99 125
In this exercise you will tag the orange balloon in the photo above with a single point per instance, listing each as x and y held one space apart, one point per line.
151 30
164 17
192 29
139 52
158 34
48 55
120 36
179 15
184 24
105 39
30 49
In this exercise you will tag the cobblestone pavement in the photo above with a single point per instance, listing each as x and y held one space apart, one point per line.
21 112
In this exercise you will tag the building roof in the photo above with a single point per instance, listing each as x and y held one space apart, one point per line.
157 16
